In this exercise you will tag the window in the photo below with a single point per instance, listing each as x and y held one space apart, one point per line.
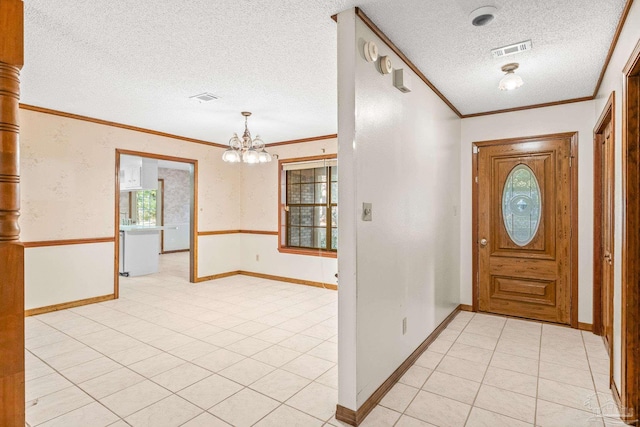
309 219
145 207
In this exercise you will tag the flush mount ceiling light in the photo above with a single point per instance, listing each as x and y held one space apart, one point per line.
483 16
511 80
245 149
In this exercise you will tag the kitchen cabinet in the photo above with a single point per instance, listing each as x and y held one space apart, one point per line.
138 173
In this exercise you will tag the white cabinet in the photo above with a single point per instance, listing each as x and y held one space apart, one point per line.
138 173
130 178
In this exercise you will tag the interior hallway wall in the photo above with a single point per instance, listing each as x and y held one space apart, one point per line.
400 152
613 82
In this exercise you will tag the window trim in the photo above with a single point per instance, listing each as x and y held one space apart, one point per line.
283 248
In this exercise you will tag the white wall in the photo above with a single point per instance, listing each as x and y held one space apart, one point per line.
53 274
259 211
401 152
613 81
271 261
220 253
540 121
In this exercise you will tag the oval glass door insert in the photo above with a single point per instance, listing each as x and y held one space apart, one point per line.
521 205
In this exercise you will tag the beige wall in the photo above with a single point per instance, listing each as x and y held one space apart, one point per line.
260 183
68 177
259 211
68 192
612 82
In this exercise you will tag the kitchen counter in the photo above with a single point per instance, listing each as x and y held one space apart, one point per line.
139 250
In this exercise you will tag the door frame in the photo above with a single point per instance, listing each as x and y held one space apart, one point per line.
607 116
161 189
193 252
573 256
630 256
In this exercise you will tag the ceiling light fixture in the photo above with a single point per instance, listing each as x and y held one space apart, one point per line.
246 149
511 80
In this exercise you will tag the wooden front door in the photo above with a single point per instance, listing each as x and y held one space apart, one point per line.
524 218
607 235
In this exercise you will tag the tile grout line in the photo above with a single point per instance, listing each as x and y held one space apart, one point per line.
146 378
429 376
473 404
535 408
593 380
108 327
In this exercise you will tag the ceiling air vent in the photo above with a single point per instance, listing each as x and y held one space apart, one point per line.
511 49
204 97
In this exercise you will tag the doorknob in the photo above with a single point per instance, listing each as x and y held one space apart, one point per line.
483 242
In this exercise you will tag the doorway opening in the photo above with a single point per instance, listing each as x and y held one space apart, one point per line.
155 214
524 210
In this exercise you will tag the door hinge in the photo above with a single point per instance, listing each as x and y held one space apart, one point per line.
476 150
476 179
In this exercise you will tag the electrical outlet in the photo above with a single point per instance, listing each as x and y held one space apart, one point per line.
404 326
257 257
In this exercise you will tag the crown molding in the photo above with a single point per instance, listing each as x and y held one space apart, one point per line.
117 125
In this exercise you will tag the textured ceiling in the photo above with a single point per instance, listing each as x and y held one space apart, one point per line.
137 63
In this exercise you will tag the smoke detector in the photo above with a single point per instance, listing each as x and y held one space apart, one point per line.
483 15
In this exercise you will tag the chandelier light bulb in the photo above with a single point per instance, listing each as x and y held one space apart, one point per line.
231 156
264 157
251 156
245 149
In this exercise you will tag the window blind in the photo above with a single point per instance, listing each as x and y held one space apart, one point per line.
312 164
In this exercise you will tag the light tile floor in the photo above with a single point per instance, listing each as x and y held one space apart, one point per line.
243 351
237 351
490 371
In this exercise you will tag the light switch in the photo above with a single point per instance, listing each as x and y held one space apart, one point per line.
366 212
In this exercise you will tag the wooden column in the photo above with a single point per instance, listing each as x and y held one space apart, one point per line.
11 250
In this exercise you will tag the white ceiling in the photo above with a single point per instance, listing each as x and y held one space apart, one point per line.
137 63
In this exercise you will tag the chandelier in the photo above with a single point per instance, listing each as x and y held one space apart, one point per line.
246 149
